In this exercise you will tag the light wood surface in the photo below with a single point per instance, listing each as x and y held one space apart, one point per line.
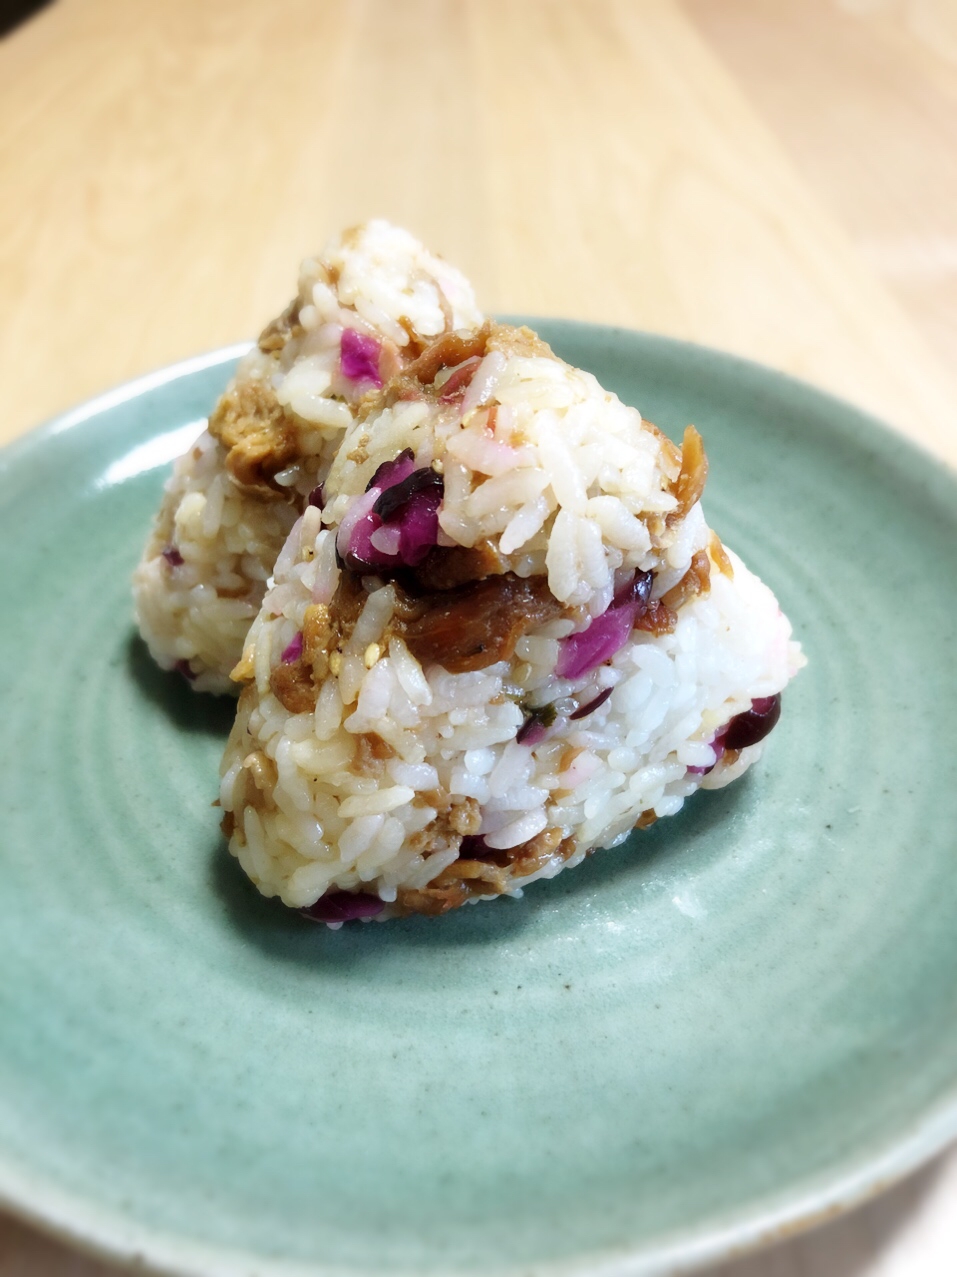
863 97
774 177
165 165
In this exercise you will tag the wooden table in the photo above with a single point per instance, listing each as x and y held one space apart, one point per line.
775 177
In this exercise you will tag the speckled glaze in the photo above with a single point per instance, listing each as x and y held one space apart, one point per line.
742 1019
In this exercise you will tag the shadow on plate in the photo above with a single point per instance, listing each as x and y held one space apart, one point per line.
284 935
189 711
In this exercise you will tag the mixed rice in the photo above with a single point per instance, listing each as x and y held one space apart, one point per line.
499 636
368 305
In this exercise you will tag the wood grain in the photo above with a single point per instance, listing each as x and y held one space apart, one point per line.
172 162
774 177
876 140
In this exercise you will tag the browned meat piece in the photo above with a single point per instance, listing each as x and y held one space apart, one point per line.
690 483
452 349
434 900
465 817
262 771
449 351
447 567
490 874
720 557
274 336
318 636
533 855
478 624
344 610
292 685
657 619
672 454
697 580
371 754
462 629
259 437
325 629
417 377
518 341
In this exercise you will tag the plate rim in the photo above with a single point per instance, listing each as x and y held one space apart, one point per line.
107 1234
122 392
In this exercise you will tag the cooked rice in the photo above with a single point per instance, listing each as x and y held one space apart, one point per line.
355 767
234 497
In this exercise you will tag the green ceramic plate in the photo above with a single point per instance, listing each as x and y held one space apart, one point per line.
739 1021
